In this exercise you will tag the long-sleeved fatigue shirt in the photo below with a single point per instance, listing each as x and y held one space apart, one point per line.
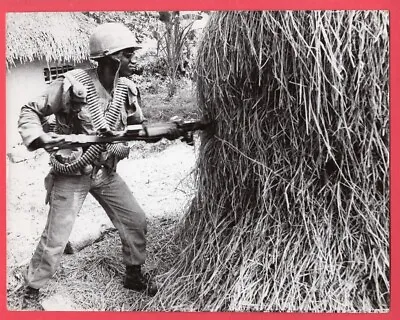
71 112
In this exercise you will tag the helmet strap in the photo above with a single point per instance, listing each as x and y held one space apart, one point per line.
117 74
108 68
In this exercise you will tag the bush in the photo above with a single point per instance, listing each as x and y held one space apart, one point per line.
155 66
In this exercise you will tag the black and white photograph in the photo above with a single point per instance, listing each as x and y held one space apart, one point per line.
223 161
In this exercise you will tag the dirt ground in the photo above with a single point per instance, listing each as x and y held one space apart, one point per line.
160 177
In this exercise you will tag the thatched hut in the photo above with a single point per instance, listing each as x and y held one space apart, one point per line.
39 46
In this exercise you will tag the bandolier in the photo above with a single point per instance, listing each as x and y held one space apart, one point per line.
82 86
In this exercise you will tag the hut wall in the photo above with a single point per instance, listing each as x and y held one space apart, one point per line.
24 82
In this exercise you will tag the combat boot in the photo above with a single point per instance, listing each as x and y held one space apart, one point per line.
30 299
136 280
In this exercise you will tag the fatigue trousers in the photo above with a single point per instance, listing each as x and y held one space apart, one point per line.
66 199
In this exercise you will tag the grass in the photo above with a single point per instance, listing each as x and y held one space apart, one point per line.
93 277
158 106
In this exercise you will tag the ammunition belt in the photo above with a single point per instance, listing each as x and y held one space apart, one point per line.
99 121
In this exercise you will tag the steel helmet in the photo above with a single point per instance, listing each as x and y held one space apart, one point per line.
109 38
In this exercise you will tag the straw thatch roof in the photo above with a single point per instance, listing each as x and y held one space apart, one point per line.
53 36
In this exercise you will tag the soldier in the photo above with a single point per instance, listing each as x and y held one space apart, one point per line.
101 99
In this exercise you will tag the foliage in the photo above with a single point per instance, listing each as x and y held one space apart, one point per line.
173 43
142 23
160 107
156 66
172 32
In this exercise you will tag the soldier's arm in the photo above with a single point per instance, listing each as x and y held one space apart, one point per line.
33 113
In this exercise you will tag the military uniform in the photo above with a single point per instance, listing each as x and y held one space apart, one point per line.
67 192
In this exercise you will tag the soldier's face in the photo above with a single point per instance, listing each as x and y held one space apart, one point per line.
128 62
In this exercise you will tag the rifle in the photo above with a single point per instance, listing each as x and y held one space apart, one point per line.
151 132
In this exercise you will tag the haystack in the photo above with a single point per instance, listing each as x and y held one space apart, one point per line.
53 36
291 211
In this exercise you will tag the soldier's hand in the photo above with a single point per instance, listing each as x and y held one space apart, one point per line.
173 133
106 132
49 141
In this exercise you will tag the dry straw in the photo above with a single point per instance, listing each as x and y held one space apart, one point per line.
291 211
92 279
52 36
